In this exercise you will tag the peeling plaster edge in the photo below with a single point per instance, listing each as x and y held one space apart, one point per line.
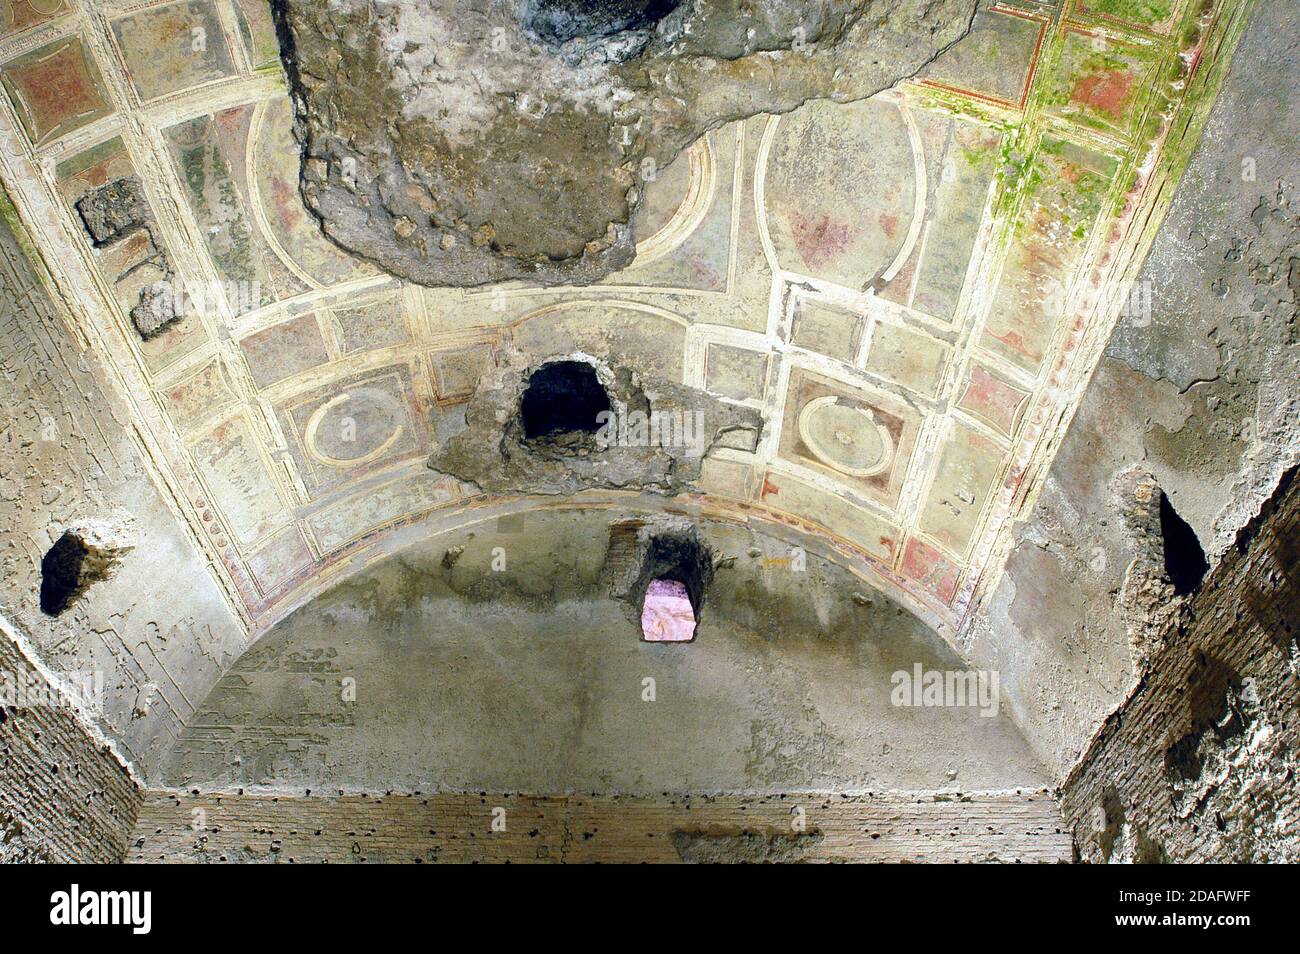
1254 486
28 650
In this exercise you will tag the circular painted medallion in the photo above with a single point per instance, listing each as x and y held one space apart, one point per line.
845 437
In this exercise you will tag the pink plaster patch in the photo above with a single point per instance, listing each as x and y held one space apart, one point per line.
667 616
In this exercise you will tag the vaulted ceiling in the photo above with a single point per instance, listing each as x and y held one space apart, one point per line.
913 290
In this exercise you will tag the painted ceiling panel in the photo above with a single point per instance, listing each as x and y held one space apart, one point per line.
900 284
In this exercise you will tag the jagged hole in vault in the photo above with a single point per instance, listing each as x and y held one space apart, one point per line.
675 573
61 572
1185 562
559 21
563 398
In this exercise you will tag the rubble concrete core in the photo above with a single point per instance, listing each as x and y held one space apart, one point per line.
461 144
655 436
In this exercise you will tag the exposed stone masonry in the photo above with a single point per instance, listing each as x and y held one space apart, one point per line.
656 437
64 795
111 213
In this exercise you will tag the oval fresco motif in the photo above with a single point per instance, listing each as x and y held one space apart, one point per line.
845 437
840 193
355 427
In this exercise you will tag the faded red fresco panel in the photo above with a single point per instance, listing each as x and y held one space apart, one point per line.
19 15
931 569
56 89
284 350
1108 91
992 400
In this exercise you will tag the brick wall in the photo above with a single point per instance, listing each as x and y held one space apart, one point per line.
64 795
459 828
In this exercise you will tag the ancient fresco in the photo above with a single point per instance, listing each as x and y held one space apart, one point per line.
912 289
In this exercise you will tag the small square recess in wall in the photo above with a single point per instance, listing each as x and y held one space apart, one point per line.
667 615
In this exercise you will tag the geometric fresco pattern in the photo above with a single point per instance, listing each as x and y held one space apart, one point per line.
913 289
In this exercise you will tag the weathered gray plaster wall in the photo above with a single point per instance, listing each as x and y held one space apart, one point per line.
1201 395
158 629
531 679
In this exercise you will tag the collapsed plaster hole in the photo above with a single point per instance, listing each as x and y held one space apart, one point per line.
675 572
666 613
114 210
116 215
68 568
559 21
563 403
61 573
1185 562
